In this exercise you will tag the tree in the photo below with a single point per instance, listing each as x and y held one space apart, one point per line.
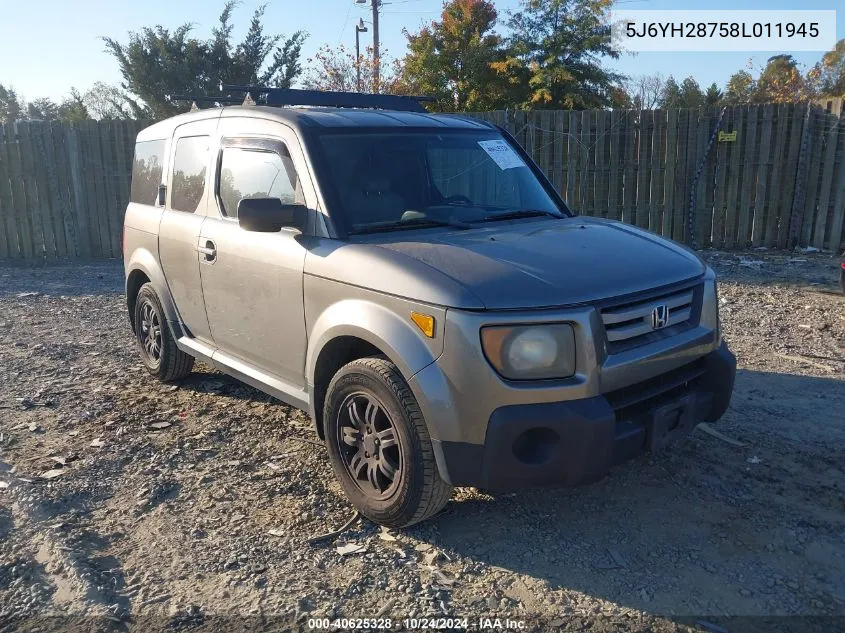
558 47
104 101
11 105
335 69
453 60
157 62
42 109
740 89
73 109
14 108
712 96
646 91
691 94
830 71
782 82
671 97
621 99
686 95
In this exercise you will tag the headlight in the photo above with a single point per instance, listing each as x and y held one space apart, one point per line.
530 352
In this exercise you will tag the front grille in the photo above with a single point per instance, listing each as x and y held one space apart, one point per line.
630 402
630 324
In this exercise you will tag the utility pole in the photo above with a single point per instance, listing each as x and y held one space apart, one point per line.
376 4
376 56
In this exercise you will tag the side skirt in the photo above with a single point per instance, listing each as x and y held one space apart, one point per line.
246 373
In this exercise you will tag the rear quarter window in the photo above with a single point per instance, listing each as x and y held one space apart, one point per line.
189 170
146 171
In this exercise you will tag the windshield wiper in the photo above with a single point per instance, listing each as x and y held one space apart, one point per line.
416 223
521 213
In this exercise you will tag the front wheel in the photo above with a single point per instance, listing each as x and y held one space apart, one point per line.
379 445
156 345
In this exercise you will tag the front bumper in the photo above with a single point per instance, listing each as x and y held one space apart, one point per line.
577 441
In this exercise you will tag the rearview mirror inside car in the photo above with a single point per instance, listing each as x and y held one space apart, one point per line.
268 215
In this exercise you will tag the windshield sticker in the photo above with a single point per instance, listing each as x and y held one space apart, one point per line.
502 154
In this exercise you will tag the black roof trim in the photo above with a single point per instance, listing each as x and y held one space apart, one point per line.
202 99
319 98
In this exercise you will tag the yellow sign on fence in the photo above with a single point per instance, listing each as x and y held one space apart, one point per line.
727 137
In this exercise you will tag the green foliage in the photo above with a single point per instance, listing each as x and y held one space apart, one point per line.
557 48
691 94
157 62
73 109
688 94
104 101
830 71
11 105
453 60
781 82
671 97
712 96
14 108
42 109
740 89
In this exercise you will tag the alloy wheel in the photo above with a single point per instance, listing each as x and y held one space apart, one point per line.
149 332
369 445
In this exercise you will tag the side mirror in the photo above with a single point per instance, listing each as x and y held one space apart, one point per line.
269 215
161 195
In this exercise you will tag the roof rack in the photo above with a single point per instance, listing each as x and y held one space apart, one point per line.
294 97
201 99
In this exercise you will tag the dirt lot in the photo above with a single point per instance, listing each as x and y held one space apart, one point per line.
171 507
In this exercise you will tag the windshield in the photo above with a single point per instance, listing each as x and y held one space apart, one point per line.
390 181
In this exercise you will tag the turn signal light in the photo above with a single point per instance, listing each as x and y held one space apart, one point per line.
425 322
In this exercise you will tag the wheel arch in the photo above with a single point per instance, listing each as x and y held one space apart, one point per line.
142 268
354 329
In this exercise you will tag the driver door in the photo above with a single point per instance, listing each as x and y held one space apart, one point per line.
253 282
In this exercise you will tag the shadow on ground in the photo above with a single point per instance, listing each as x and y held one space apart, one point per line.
699 501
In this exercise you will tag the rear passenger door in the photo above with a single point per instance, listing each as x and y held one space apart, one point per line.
253 282
187 197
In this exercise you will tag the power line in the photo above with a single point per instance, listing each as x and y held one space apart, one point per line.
345 22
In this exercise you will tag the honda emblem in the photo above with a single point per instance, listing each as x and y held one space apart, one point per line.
659 317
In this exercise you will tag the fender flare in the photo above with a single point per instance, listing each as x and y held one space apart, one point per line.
375 324
144 261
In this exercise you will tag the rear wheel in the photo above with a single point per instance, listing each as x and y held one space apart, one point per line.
379 445
156 345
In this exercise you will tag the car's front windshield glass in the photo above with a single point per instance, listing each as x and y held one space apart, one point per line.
394 180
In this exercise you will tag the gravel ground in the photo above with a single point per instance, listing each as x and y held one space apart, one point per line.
125 503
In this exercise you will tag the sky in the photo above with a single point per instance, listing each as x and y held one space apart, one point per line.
50 46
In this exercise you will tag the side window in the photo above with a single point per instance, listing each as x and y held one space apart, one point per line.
146 171
189 166
255 173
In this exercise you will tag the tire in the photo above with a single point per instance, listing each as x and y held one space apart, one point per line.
372 393
159 353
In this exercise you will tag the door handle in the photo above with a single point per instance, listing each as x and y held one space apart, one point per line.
209 251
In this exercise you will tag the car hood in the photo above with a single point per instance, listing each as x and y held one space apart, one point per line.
545 263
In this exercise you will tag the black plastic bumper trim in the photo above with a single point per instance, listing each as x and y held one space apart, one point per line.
587 440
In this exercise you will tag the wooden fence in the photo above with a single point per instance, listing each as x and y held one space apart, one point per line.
759 176
769 175
64 188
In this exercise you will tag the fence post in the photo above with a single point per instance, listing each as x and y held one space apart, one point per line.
801 173
830 129
80 201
